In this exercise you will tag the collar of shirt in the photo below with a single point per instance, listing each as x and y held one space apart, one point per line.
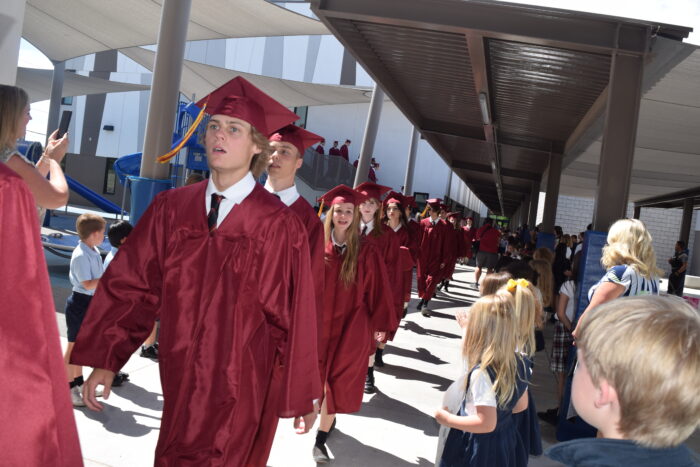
288 195
233 195
369 225
335 242
398 227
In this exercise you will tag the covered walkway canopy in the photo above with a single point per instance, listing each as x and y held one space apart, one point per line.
502 90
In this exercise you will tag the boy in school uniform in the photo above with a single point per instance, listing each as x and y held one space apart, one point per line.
86 268
637 382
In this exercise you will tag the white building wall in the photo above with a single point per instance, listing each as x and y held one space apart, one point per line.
664 225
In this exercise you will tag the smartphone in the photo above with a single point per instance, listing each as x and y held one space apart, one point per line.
65 121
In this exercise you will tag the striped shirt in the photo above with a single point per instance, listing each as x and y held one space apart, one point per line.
628 277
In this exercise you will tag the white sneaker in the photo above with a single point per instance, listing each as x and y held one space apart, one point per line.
320 455
76 397
98 392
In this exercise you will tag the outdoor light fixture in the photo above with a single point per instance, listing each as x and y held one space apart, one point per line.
484 104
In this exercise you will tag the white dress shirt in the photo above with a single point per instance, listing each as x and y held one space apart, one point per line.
288 195
369 225
233 195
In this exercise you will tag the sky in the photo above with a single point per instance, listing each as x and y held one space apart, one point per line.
677 12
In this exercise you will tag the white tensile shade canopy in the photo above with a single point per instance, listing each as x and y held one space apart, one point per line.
72 28
198 80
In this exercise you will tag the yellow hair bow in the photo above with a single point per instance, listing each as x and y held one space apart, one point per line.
513 284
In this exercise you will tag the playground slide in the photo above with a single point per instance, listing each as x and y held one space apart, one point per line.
102 203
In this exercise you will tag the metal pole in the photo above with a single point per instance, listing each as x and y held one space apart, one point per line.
687 218
411 165
375 110
619 134
550 202
59 69
165 87
637 212
448 188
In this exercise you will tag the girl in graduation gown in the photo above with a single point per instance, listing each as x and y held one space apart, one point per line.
432 255
395 218
357 310
373 230
455 249
233 292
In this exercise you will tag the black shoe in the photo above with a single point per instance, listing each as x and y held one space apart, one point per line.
447 286
369 381
420 304
425 311
119 379
441 285
550 416
378 360
149 352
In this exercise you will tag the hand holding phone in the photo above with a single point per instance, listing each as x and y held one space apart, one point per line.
65 121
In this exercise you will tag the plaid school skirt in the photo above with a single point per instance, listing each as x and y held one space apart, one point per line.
561 343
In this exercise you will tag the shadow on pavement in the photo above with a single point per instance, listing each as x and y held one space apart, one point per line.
411 374
418 329
140 397
420 353
116 420
386 408
345 450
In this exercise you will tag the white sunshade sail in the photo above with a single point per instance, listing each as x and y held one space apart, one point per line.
199 80
37 83
63 29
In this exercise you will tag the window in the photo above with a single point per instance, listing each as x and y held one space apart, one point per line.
68 100
302 112
110 183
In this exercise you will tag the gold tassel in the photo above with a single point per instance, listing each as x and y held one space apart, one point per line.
422 214
320 209
170 154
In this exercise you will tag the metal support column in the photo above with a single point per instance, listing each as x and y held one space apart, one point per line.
411 164
165 87
375 111
59 69
11 23
162 106
620 131
685 222
534 204
637 212
550 202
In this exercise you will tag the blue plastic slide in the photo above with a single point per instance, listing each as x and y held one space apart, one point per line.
102 203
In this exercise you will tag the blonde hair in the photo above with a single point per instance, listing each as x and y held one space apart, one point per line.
648 349
260 160
492 282
348 269
86 224
544 253
630 243
545 280
13 101
527 311
489 341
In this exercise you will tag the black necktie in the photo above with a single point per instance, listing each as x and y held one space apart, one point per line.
364 231
213 215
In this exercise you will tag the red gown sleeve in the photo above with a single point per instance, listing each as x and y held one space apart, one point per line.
126 303
287 288
379 304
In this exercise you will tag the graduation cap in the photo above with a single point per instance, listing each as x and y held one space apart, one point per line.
296 136
410 201
454 214
240 99
372 190
435 203
394 197
343 194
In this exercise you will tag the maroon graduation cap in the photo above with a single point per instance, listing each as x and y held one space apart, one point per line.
343 194
372 190
240 99
396 198
297 136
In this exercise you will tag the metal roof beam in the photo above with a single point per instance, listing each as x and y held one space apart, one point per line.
473 167
669 198
535 25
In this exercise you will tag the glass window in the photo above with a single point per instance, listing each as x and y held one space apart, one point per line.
302 112
68 100
110 183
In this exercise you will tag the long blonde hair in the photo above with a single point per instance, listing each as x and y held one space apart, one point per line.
348 269
490 341
13 101
630 243
527 312
545 280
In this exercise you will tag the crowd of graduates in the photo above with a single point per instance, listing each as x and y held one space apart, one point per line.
267 311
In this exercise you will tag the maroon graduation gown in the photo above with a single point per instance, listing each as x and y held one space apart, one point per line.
236 310
344 153
468 238
406 263
415 232
38 427
432 254
389 247
455 249
351 314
